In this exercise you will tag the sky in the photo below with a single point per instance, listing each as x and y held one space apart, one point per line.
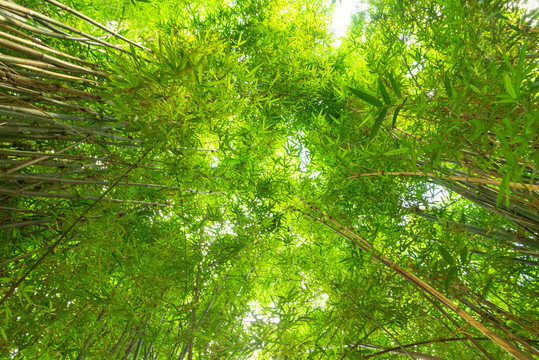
343 15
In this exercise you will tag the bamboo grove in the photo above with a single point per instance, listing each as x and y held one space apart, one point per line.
223 180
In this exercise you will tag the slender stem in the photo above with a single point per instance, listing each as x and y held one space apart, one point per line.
469 179
413 279
93 22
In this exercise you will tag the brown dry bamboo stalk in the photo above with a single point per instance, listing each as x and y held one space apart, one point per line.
499 325
529 187
93 22
47 58
457 325
505 314
18 80
427 288
11 6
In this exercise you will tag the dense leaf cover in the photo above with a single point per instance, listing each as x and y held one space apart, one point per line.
222 180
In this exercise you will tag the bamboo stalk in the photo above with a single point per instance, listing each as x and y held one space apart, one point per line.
18 80
24 35
7 19
509 316
499 325
64 128
46 48
22 62
19 90
457 325
47 58
37 72
93 22
49 20
47 179
36 160
24 223
76 107
44 116
530 187
78 197
422 285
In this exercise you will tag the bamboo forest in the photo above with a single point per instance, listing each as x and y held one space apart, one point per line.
233 179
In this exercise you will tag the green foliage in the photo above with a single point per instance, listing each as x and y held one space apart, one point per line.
255 193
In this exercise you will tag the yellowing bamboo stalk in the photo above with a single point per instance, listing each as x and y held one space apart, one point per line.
413 279
514 185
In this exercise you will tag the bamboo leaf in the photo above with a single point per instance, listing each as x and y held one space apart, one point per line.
378 123
394 85
397 151
509 86
384 93
448 86
464 255
450 277
446 255
396 113
366 97
487 288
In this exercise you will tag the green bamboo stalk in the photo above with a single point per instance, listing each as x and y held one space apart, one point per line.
7 19
35 160
46 48
58 103
486 233
23 224
23 62
425 287
7 5
28 115
78 197
50 179
60 137
506 314
57 154
22 90
93 22
47 58
469 337
499 325
38 72
24 35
